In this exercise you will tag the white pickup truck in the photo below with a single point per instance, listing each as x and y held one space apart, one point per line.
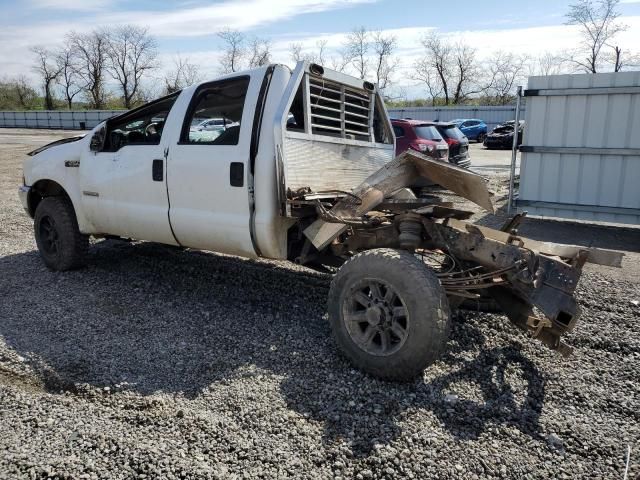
299 164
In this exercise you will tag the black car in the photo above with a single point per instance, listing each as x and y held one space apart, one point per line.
457 141
502 135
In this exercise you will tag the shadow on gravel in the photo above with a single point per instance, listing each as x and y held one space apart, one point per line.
497 387
148 318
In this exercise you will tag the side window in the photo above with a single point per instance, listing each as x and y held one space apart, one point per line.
141 126
398 131
215 113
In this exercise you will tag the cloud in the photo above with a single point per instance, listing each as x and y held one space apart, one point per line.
74 5
207 20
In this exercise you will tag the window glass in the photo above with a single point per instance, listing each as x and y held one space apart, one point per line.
295 119
142 126
452 132
399 131
427 132
217 112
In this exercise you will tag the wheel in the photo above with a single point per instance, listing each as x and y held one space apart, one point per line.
481 137
389 314
59 240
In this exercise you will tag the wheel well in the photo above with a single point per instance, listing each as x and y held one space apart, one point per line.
42 189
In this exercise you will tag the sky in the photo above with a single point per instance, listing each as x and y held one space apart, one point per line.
189 27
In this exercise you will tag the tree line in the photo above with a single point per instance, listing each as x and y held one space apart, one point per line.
115 67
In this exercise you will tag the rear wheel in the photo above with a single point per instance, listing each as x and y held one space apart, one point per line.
58 237
481 137
389 314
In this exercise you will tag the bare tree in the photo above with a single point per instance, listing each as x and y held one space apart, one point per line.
90 53
341 61
68 78
435 67
49 71
259 52
357 45
622 59
424 72
24 93
234 50
297 54
547 63
505 72
467 73
450 69
598 23
385 64
183 74
132 53
321 45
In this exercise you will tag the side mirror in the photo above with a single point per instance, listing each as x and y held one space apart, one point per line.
97 141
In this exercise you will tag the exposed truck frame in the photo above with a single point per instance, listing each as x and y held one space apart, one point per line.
312 179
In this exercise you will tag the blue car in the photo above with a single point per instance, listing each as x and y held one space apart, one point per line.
473 128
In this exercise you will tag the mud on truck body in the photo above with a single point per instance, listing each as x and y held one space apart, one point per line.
301 167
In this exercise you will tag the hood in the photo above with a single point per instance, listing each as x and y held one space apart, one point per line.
57 142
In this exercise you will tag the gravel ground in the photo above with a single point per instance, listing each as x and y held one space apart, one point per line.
155 362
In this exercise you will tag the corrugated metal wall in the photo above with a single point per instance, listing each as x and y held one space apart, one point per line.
492 116
581 153
72 120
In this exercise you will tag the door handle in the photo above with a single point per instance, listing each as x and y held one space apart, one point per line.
157 170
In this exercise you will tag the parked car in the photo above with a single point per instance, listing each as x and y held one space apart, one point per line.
419 136
473 128
502 135
457 141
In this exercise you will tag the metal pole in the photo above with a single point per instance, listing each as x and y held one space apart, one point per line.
514 150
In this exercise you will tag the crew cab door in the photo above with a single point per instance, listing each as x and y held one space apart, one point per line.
123 184
208 169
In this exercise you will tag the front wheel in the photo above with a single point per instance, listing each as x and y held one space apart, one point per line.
481 137
58 237
389 314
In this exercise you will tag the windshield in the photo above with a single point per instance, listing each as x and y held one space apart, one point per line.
427 132
452 132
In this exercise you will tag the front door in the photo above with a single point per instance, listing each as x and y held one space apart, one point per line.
207 168
124 190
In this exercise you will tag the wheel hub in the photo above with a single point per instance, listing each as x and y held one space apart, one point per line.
376 317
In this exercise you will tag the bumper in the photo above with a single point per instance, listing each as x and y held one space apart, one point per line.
23 193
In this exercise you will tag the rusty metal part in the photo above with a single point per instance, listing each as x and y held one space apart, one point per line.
513 223
402 171
333 218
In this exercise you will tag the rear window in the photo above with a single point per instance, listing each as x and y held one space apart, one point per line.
427 132
453 132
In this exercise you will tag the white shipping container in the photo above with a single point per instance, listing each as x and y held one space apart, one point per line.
581 147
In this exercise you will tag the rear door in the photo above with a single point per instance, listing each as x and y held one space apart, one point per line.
207 169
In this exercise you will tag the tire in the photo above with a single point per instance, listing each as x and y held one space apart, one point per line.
410 317
61 245
481 137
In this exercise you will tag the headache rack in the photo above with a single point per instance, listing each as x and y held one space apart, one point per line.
339 110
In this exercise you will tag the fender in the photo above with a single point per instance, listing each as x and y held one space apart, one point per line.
59 162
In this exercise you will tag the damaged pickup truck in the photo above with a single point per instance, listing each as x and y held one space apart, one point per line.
300 166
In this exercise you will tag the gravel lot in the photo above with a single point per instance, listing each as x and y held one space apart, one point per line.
159 363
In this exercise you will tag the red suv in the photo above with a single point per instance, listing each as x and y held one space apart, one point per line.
420 136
